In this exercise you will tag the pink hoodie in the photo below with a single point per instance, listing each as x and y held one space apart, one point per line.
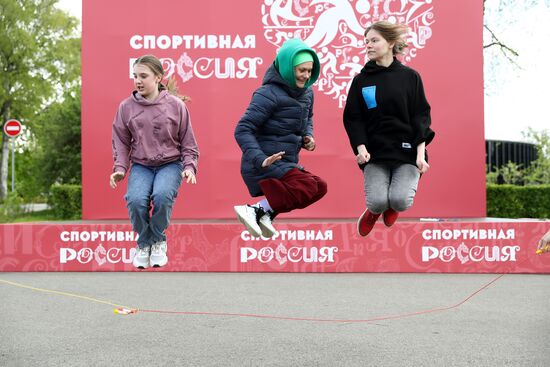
153 133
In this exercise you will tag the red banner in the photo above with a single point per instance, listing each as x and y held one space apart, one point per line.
443 247
218 51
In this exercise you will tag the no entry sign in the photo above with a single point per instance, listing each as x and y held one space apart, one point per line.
12 128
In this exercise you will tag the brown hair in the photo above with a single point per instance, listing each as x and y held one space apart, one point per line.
155 65
391 33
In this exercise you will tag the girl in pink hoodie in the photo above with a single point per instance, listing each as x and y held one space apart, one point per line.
152 130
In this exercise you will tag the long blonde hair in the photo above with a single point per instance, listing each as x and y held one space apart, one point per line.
391 33
154 64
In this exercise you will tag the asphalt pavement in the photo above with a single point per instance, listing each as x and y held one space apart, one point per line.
267 319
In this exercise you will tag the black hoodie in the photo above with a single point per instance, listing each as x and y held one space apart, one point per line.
387 111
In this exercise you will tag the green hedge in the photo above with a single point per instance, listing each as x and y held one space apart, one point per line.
510 201
66 201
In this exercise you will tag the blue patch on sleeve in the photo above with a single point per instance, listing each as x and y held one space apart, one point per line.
369 95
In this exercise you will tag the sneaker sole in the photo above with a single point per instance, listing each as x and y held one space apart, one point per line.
250 229
141 266
266 232
159 264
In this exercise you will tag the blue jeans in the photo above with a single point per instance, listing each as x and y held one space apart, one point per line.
157 186
388 186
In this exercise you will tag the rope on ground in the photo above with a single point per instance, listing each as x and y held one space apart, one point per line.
67 294
380 318
124 310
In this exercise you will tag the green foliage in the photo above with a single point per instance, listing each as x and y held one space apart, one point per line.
57 156
40 216
53 153
37 52
66 201
539 171
510 173
12 207
39 59
26 179
491 178
510 201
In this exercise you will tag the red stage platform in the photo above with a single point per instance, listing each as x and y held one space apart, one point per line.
431 245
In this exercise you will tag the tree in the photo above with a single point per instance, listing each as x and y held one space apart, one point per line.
57 155
507 51
539 171
39 58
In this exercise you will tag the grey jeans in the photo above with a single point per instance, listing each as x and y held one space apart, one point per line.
390 186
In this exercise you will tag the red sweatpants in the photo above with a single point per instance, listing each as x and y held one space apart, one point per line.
295 190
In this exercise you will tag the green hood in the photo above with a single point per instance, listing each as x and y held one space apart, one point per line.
283 61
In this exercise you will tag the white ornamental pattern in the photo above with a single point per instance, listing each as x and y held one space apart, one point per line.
334 29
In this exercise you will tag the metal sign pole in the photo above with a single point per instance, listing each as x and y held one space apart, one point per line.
12 164
12 128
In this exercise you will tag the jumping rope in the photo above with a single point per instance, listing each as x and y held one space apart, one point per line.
62 293
125 310
380 318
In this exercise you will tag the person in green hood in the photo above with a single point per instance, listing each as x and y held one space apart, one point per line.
295 53
275 127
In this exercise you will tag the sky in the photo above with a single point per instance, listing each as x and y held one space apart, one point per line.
73 7
516 96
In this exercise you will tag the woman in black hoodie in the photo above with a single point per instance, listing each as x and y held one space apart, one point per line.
387 119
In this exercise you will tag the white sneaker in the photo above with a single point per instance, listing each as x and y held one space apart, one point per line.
266 225
158 256
247 216
141 259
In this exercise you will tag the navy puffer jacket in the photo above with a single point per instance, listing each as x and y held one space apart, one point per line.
277 119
